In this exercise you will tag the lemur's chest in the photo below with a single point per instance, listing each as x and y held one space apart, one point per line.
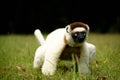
68 51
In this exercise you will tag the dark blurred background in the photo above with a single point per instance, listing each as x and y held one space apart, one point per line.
21 16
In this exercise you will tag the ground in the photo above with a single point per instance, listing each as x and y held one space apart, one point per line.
17 53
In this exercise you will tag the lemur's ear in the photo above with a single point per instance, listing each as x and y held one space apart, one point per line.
88 28
68 28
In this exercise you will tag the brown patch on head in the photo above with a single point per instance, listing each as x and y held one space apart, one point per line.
78 24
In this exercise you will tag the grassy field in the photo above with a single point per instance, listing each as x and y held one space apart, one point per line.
17 53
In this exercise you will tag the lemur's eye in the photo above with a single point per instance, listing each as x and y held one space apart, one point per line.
75 34
84 33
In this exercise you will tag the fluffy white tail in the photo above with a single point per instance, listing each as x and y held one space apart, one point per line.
39 36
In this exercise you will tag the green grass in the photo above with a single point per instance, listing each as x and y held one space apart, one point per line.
17 53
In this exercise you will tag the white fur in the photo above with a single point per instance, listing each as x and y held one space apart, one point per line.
47 55
79 29
39 36
87 56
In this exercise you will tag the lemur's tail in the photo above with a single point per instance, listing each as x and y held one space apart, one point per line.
39 36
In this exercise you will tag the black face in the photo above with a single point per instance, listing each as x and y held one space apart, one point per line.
79 36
